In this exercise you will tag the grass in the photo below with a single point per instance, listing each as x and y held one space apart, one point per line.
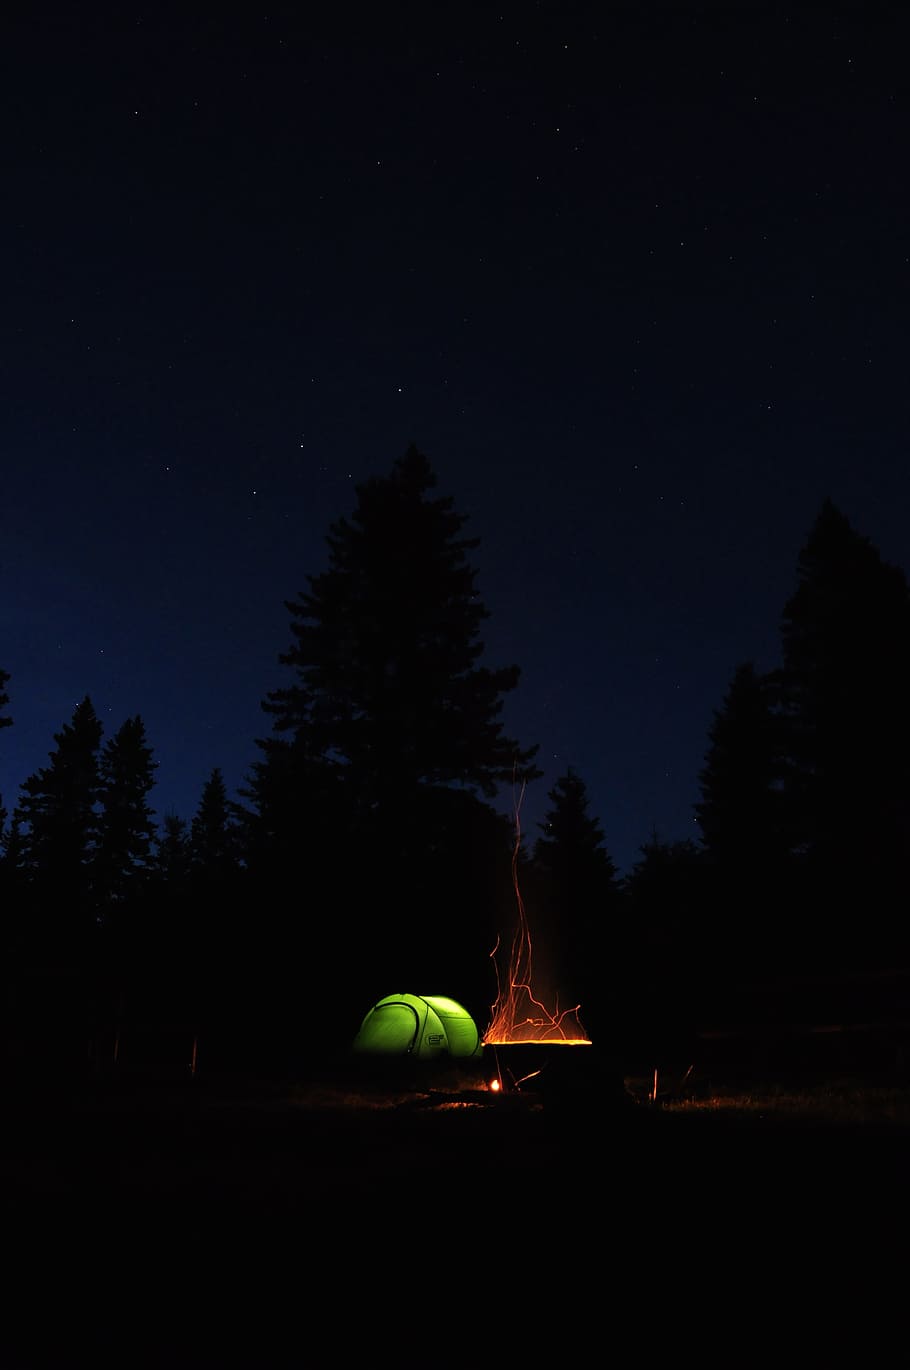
833 1098
840 1102
845 1101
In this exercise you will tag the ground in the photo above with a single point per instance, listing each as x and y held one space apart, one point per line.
267 1223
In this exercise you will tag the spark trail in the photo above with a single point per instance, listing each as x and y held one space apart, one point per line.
517 1015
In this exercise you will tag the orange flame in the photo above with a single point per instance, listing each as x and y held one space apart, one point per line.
517 1015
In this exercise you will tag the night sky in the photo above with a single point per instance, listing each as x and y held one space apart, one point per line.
634 278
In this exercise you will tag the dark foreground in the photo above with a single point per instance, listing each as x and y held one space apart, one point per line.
214 1223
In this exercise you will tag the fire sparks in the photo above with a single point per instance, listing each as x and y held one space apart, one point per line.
517 1015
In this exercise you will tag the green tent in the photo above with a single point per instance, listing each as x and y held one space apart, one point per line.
427 1026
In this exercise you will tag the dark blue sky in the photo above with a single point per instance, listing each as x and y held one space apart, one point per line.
634 278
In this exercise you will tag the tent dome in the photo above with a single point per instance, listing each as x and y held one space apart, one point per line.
426 1026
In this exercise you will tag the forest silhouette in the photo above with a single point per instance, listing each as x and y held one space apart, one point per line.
365 853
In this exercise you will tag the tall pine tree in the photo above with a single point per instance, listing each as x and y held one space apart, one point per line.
215 852
743 832
390 736
844 686
575 882
8 908
668 965
739 810
123 862
5 722
57 825
388 687
172 857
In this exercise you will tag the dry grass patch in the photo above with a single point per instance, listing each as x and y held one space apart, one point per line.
846 1101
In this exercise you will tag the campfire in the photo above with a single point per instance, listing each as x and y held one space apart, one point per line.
522 1029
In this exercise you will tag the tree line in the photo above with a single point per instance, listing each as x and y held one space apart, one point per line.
364 854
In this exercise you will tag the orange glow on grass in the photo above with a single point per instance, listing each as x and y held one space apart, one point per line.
517 1015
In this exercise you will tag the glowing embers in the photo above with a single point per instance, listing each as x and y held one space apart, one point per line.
517 1015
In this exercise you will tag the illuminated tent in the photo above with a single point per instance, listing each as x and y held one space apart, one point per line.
428 1027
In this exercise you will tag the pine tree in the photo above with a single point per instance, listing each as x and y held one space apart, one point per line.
389 689
743 830
126 831
13 906
13 863
739 812
390 726
206 931
667 952
576 881
173 929
58 825
571 847
5 722
844 686
13 845
214 834
173 852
